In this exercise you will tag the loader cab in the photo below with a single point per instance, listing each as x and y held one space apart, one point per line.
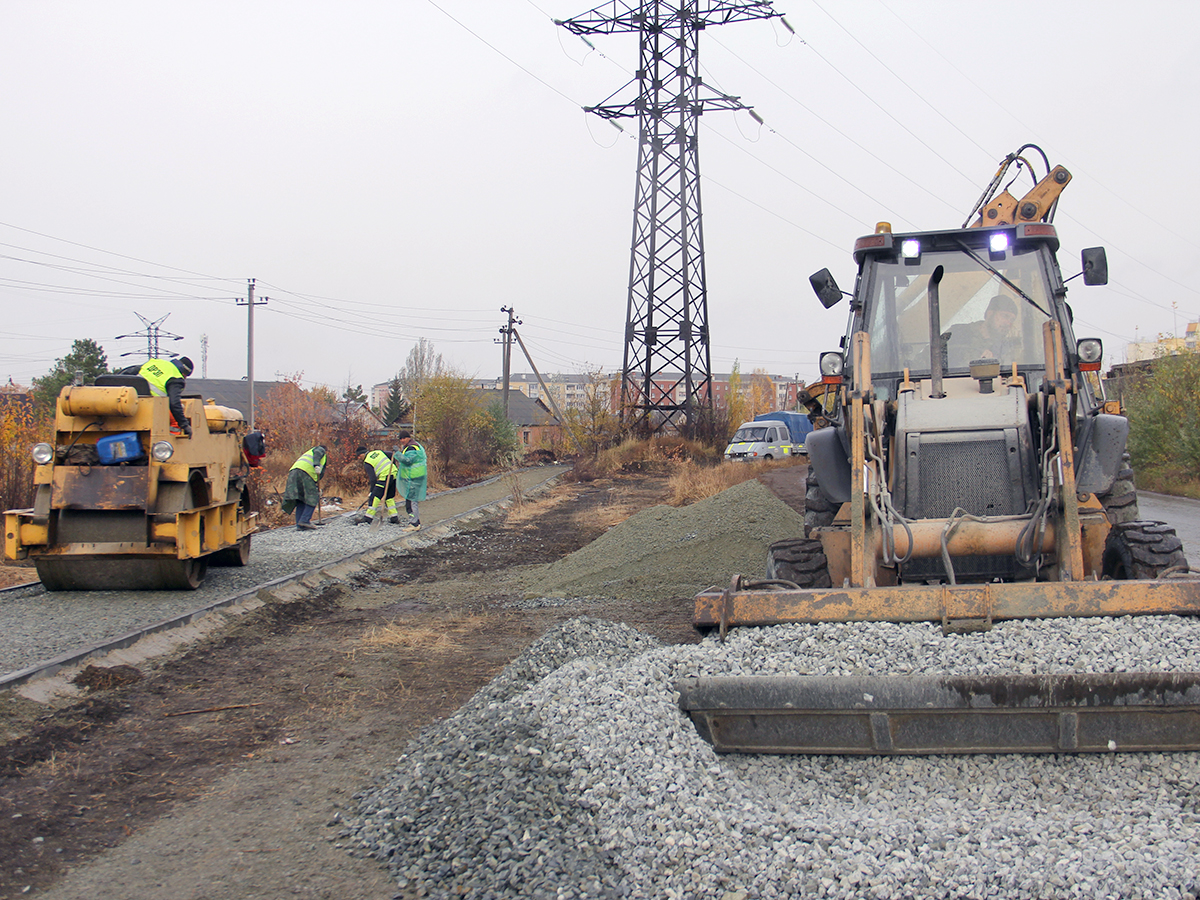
998 288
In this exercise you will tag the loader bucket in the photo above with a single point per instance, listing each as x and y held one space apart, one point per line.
946 714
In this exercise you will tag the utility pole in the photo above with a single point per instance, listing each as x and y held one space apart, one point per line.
250 303
204 356
508 331
666 320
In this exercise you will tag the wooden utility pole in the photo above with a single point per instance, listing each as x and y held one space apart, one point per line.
508 331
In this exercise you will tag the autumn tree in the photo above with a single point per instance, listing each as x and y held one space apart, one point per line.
86 360
760 393
445 408
593 426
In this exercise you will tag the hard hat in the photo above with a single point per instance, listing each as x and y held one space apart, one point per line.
185 365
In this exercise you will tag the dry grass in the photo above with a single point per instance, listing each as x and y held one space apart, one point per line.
692 482
420 637
532 509
653 454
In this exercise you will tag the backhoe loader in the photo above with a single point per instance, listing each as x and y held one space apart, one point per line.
972 470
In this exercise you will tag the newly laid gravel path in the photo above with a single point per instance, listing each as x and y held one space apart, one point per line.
574 774
38 626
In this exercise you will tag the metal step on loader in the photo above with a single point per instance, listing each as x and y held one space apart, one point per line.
972 469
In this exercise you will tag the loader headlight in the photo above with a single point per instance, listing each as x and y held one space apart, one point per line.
910 248
998 242
832 363
1090 350
42 454
162 451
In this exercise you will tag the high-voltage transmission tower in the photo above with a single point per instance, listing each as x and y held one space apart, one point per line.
666 376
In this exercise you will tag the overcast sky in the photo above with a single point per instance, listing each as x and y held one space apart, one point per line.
395 170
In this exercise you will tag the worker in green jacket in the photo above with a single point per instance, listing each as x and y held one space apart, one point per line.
412 474
302 493
381 475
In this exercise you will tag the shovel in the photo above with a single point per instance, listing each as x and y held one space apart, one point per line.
381 510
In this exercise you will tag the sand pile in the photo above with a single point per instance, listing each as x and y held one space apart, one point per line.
668 552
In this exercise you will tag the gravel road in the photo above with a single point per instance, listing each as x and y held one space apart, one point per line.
39 626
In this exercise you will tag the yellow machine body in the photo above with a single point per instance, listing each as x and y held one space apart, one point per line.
143 523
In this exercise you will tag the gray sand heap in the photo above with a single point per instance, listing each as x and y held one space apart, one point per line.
664 551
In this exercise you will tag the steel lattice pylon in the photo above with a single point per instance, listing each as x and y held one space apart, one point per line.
667 370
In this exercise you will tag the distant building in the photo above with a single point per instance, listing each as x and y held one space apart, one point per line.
535 425
1165 346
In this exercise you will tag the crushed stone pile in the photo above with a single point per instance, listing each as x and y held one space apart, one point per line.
574 774
666 551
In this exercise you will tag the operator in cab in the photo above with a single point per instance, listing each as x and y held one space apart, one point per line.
991 338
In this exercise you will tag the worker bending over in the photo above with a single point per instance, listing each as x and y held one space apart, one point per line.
381 475
302 492
166 379
411 470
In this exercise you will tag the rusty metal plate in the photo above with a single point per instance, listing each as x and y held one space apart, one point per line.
100 487
944 602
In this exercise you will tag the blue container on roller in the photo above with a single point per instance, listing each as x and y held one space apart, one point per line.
119 448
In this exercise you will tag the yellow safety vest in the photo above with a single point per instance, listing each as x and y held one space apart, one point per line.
157 373
308 463
383 466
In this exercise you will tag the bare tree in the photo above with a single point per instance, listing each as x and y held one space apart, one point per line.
421 365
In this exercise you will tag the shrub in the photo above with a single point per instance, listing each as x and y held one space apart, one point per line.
1164 424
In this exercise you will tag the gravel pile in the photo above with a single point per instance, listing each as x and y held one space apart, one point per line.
675 552
574 774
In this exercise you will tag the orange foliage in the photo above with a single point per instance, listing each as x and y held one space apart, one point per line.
20 428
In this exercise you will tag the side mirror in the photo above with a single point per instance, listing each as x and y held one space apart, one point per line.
1095 265
826 288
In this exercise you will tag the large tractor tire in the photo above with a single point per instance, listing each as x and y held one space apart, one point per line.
1121 503
800 561
1142 550
818 510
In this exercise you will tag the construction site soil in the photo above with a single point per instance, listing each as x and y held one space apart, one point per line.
222 772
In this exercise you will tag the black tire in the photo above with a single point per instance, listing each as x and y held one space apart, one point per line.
1120 502
818 510
238 555
1142 550
801 561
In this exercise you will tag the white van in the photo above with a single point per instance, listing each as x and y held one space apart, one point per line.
760 440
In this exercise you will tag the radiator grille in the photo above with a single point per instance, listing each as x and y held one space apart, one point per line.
973 475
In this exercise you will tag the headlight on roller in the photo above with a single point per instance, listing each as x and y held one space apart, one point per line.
42 454
162 451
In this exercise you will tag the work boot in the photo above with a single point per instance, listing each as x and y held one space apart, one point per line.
413 526
305 526
394 520
360 519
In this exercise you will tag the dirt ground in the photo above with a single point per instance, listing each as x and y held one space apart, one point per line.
222 772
